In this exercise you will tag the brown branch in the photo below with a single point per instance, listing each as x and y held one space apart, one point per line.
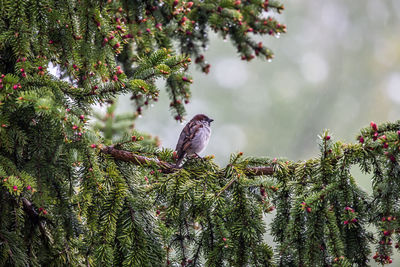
166 167
30 210
262 170
35 217
127 156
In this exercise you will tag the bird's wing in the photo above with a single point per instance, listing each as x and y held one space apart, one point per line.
187 134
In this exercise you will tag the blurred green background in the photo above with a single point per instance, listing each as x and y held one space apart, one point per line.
337 68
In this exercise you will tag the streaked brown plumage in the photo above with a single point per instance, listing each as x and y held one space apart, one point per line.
194 137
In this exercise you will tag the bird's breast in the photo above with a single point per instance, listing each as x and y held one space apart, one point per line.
200 141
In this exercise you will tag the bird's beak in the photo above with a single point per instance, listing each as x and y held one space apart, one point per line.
210 120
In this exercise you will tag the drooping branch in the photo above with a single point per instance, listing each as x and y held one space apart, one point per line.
166 167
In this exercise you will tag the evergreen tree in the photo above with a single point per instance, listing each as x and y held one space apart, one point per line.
104 194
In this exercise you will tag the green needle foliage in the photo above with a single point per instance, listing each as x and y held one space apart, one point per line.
66 201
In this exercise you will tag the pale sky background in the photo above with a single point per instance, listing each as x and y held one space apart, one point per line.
338 67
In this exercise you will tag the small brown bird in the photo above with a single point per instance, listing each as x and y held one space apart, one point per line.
194 137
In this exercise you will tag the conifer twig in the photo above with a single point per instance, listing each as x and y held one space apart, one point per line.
226 186
166 167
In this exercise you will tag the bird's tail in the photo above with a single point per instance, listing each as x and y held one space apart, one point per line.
180 159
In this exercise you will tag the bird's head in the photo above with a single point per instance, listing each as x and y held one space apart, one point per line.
202 118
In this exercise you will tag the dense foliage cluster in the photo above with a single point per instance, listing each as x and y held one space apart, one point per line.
64 201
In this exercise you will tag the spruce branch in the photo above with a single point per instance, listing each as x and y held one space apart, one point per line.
128 156
36 219
166 167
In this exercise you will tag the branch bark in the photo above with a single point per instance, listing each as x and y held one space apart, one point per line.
166 167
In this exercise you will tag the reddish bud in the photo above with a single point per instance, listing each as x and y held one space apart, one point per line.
375 137
93 145
117 45
308 209
262 191
176 2
74 127
361 140
224 239
29 187
386 233
385 145
15 188
373 126
327 137
354 220
82 117
15 87
21 70
44 212
133 138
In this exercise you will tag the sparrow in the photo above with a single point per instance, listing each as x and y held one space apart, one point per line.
194 137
